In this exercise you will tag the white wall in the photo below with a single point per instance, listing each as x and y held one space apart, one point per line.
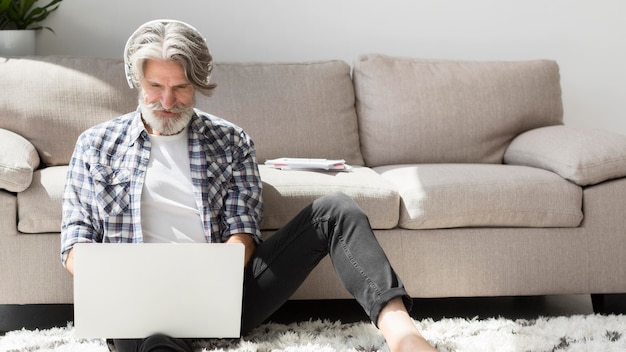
586 37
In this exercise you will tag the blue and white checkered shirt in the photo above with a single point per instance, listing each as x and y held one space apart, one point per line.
102 197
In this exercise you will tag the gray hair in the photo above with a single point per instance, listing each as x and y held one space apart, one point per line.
171 41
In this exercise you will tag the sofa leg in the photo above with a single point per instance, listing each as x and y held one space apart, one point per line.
598 303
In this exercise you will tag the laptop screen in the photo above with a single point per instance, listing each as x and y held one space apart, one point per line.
138 290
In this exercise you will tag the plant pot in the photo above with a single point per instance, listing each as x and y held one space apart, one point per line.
18 42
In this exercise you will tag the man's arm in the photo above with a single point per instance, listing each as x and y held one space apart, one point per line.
77 223
243 205
246 240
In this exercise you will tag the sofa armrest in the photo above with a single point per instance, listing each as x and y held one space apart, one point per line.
18 160
583 156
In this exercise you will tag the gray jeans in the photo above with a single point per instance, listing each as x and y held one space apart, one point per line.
333 225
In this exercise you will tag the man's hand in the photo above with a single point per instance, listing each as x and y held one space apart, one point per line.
247 241
69 261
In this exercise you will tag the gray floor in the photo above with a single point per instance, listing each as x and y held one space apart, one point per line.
14 317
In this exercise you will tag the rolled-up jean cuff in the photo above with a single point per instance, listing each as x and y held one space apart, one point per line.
382 301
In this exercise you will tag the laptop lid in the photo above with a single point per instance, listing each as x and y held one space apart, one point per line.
138 290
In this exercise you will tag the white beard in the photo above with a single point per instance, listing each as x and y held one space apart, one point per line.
166 126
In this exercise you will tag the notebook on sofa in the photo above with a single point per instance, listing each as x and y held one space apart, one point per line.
137 290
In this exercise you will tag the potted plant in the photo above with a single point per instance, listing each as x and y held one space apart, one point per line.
19 20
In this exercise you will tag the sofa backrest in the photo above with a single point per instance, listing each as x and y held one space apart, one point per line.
50 100
292 110
425 111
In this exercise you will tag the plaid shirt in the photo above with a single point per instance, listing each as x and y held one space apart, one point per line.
102 198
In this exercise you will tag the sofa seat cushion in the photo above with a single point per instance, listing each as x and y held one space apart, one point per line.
39 206
414 111
469 195
287 192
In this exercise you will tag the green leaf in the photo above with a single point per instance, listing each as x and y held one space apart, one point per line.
4 4
20 14
4 20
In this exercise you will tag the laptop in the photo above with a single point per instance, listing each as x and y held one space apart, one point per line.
138 290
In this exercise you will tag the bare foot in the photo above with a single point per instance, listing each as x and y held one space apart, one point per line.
399 330
412 343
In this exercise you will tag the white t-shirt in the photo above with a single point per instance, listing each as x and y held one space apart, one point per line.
168 208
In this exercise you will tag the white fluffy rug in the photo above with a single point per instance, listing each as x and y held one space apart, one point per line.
555 334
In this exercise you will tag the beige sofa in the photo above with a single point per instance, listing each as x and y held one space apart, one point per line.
473 184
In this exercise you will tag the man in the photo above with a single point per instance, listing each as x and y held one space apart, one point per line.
170 164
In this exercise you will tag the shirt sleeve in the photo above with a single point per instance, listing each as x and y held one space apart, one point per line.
78 224
243 208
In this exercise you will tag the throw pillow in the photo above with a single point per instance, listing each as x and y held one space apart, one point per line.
18 160
583 156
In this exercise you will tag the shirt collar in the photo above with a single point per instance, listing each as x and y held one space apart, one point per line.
196 124
137 127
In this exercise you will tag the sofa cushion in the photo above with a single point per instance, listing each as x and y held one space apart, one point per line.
289 109
52 99
582 155
470 195
18 160
423 111
39 206
287 192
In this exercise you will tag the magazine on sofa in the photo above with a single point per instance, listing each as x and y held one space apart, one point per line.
306 163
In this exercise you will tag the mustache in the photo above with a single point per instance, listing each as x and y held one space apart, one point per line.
157 106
